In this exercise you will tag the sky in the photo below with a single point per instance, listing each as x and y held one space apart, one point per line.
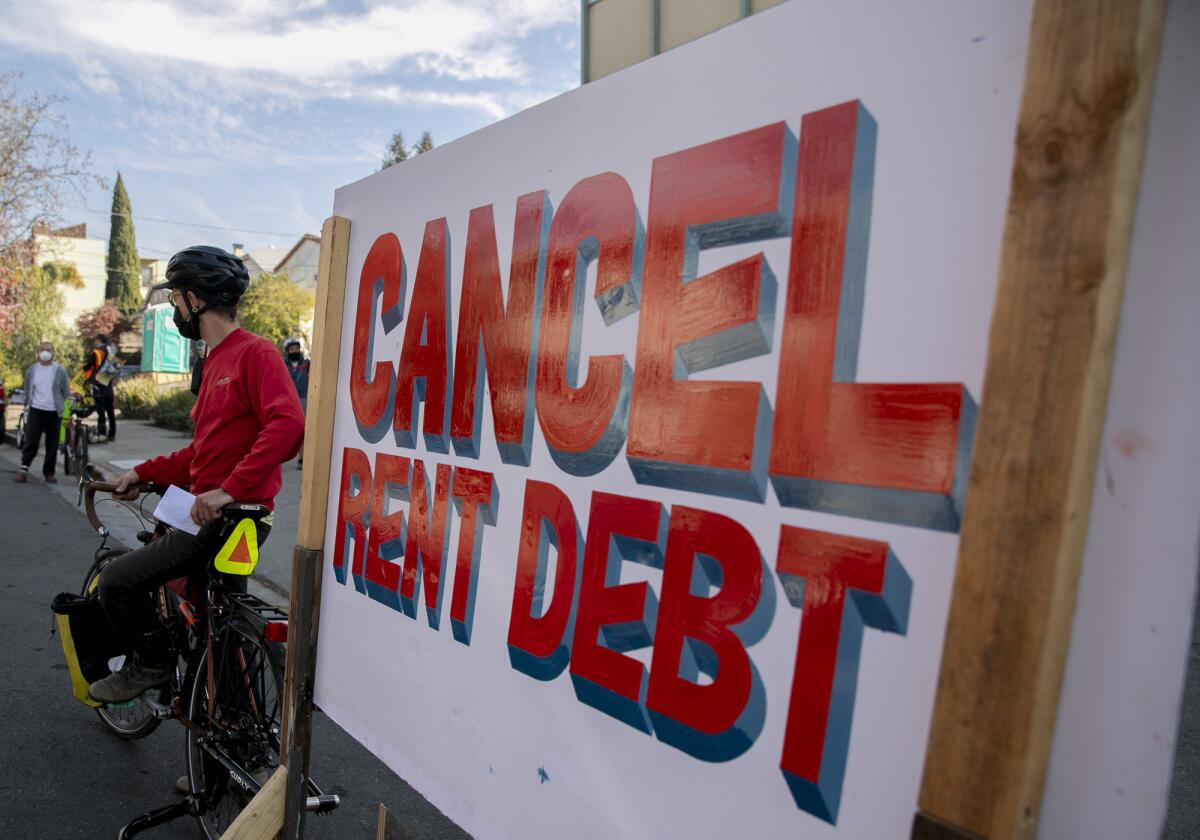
246 115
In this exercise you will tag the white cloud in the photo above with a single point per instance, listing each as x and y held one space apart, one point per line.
302 41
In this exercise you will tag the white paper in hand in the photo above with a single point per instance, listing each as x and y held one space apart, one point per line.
175 510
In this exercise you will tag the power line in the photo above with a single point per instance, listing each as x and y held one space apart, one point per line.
186 224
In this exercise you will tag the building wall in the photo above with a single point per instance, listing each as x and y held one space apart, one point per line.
618 33
88 256
301 266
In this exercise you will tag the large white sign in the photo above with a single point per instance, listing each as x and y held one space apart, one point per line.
653 421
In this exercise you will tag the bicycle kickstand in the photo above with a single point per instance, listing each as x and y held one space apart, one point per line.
159 816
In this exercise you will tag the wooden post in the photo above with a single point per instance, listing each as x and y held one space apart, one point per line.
389 828
305 605
1079 146
263 815
305 608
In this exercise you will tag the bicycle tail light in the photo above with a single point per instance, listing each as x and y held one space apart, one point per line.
276 631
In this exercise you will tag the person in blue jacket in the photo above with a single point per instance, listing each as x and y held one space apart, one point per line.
297 367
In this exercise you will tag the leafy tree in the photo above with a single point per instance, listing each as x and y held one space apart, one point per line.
425 145
41 320
38 169
64 273
397 152
107 320
124 270
275 307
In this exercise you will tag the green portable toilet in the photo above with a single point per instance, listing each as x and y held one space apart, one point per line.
164 350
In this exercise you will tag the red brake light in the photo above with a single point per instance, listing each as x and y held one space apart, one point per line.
275 631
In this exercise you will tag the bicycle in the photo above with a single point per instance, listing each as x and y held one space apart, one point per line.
22 422
75 435
227 689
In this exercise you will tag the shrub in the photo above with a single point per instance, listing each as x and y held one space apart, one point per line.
173 410
136 398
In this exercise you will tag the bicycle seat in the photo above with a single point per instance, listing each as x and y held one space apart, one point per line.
237 511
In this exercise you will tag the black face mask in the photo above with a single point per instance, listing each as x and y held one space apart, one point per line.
188 329
296 357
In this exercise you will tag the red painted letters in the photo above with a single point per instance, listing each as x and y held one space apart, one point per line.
382 279
584 426
424 371
505 334
707 435
538 633
839 445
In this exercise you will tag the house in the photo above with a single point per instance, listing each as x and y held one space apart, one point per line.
299 261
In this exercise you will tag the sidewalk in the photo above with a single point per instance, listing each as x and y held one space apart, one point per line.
138 440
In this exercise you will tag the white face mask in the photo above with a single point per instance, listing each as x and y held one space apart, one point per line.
45 355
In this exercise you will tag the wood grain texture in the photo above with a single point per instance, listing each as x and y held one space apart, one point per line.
262 817
1079 147
303 624
322 393
322 381
389 828
304 610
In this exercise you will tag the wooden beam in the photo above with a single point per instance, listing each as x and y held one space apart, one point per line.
263 815
389 828
322 381
305 608
305 599
1079 147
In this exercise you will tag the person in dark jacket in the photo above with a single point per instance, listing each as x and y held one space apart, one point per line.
298 367
100 368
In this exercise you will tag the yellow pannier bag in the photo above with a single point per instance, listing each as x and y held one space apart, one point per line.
87 640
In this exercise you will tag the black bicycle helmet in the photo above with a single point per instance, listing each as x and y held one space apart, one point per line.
217 276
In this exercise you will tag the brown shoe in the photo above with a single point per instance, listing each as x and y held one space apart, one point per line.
51 480
22 476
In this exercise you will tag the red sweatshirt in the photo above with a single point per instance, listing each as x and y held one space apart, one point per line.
248 422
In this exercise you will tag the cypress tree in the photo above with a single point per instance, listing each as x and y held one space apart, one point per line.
124 270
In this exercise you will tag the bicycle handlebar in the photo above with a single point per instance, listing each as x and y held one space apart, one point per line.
90 488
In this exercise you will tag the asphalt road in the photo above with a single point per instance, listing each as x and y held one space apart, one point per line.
62 775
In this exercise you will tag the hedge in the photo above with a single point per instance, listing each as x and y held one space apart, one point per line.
169 407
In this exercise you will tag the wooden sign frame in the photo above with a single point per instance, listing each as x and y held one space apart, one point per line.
1079 146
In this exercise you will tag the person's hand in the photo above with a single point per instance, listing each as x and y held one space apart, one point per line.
125 491
208 505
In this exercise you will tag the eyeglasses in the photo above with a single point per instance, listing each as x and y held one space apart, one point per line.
174 297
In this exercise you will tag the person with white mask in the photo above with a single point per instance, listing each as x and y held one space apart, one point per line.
46 389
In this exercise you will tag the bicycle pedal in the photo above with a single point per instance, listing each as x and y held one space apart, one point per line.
160 711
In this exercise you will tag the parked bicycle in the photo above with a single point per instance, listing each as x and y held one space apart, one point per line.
227 689
75 435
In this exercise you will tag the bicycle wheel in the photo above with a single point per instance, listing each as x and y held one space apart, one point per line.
135 719
244 724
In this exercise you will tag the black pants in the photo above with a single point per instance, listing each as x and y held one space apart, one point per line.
105 405
41 423
127 585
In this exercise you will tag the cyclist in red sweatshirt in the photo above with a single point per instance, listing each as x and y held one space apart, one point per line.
248 422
